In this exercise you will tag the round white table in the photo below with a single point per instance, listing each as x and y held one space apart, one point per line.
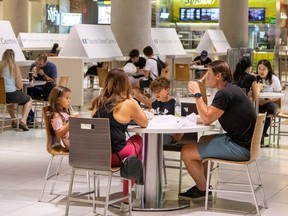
263 95
152 196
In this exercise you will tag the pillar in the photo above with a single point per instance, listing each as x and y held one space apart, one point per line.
16 11
131 24
234 22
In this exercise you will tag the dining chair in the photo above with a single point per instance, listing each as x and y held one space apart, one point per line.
238 185
165 73
102 74
7 106
186 109
182 74
177 163
90 150
63 81
55 149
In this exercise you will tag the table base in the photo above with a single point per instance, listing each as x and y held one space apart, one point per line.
165 205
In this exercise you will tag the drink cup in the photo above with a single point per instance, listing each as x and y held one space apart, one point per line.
30 76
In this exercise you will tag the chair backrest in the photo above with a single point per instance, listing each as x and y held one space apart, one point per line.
51 140
188 108
2 91
202 86
90 143
164 73
102 74
257 135
63 81
182 72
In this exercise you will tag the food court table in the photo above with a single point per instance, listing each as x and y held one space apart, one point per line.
263 95
27 85
152 195
195 68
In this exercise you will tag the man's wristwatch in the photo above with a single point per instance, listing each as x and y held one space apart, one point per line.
197 95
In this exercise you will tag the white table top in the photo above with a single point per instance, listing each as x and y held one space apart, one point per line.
199 67
196 128
271 95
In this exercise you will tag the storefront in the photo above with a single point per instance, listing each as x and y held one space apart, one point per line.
192 17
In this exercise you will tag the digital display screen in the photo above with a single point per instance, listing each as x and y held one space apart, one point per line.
199 14
71 19
210 14
190 14
256 14
104 14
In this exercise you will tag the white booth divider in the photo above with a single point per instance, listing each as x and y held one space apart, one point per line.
9 41
85 43
40 41
214 41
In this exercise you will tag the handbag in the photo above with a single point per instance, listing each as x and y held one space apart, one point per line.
131 166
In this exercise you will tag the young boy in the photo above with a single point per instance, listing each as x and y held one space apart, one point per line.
163 105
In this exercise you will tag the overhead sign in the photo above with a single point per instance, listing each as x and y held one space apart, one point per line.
41 40
214 41
90 41
9 41
166 41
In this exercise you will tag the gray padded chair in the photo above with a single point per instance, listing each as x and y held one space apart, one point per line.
90 150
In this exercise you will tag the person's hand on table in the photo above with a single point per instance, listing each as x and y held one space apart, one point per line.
75 115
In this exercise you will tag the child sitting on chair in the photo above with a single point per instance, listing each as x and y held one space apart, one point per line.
59 100
163 105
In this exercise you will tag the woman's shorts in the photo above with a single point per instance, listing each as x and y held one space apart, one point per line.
18 97
221 146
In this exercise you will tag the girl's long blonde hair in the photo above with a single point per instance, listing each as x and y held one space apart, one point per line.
116 90
8 59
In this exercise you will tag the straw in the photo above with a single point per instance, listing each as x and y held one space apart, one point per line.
72 110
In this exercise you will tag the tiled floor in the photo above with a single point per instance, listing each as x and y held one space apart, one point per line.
23 163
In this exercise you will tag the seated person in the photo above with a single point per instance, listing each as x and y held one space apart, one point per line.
139 63
163 105
45 71
151 70
53 51
203 59
92 71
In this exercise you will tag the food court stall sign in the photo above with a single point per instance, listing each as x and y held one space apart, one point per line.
9 41
166 41
91 41
214 41
36 41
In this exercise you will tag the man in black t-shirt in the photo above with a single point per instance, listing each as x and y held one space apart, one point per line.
139 63
202 59
237 116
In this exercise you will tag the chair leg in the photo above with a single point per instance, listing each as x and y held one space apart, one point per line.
279 130
164 170
207 184
260 183
107 195
46 178
3 118
70 191
252 189
180 175
130 196
56 174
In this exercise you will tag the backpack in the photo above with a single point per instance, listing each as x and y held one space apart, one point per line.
160 65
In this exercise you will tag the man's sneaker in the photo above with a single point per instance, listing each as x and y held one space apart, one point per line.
194 194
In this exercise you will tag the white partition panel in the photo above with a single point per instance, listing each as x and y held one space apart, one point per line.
74 68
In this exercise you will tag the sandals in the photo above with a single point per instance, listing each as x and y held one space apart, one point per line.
23 126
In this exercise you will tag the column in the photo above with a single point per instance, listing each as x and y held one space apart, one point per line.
16 11
234 22
131 24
